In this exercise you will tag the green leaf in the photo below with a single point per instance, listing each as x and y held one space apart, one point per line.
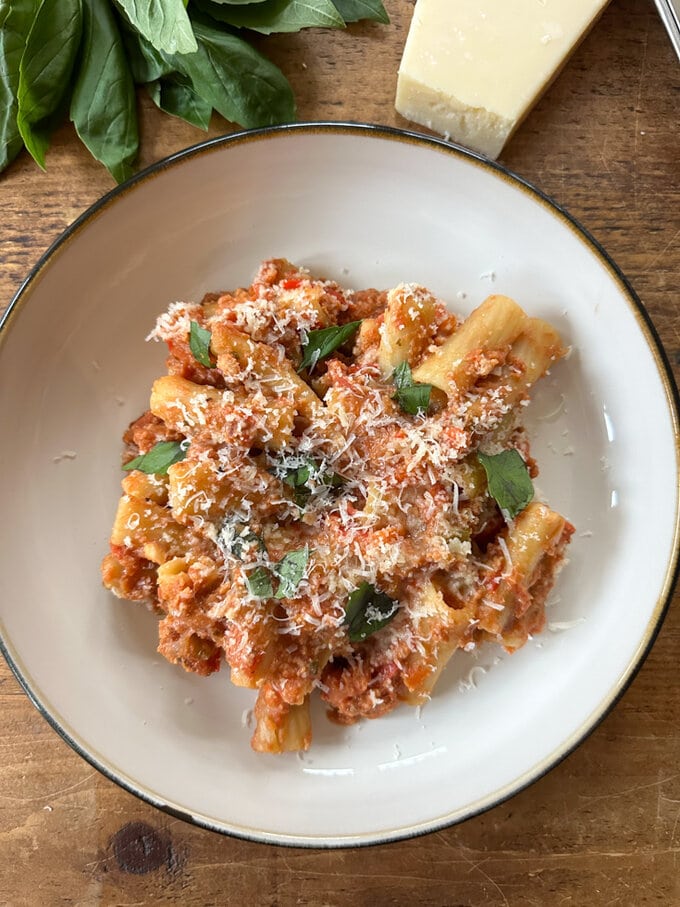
160 458
177 96
276 15
290 570
146 63
45 71
103 105
164 23
16 19
413 398
199 344
320 344
354 10
236 80
260 583
368 610
508 480
239 2
297 476
242 541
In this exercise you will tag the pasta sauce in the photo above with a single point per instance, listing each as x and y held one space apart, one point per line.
332 491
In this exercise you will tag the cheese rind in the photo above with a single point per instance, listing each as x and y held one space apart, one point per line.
472 69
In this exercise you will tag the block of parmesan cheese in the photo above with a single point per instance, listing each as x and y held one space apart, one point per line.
472 69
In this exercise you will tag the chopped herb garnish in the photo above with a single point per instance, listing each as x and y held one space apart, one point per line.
320 344
290 570
508 481
158 460
260 583
299 475
199 344
413 398
368 610
242 541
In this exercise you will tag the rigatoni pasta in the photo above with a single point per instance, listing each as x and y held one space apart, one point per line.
332 492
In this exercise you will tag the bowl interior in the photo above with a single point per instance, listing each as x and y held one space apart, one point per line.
368 209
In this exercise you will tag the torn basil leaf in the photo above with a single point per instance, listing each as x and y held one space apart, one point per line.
160 458
299 475
260 583
242 541
199 344
354 10
508 481
320 344
290 570
413 398
367 611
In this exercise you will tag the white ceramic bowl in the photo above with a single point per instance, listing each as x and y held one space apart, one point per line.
369 207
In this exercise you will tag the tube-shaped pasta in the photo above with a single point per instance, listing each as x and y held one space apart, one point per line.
148 528
407 328
192 408
493 326
275 374
533 536
280 727
529 358
442 630
513 607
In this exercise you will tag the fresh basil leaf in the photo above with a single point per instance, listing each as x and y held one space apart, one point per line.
276 15
299 475
320 344
164 23
508 481
332 479
146 63
290 570
103 105
247 538
402 376
199 344
260 583
413 398
354 10
367 611
45 71
177 96
160 458
16 19
239 2
236 80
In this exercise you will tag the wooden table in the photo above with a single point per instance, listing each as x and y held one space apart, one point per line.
604 826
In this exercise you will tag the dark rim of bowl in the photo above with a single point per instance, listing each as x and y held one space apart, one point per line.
672 572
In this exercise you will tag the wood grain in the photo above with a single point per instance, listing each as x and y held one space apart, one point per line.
601 828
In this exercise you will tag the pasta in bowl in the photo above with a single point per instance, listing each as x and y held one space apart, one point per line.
332 490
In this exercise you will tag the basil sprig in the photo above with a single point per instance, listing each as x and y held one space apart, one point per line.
289 572
320 344
508 481
86 56
413 398
199 344
367 611
160 458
